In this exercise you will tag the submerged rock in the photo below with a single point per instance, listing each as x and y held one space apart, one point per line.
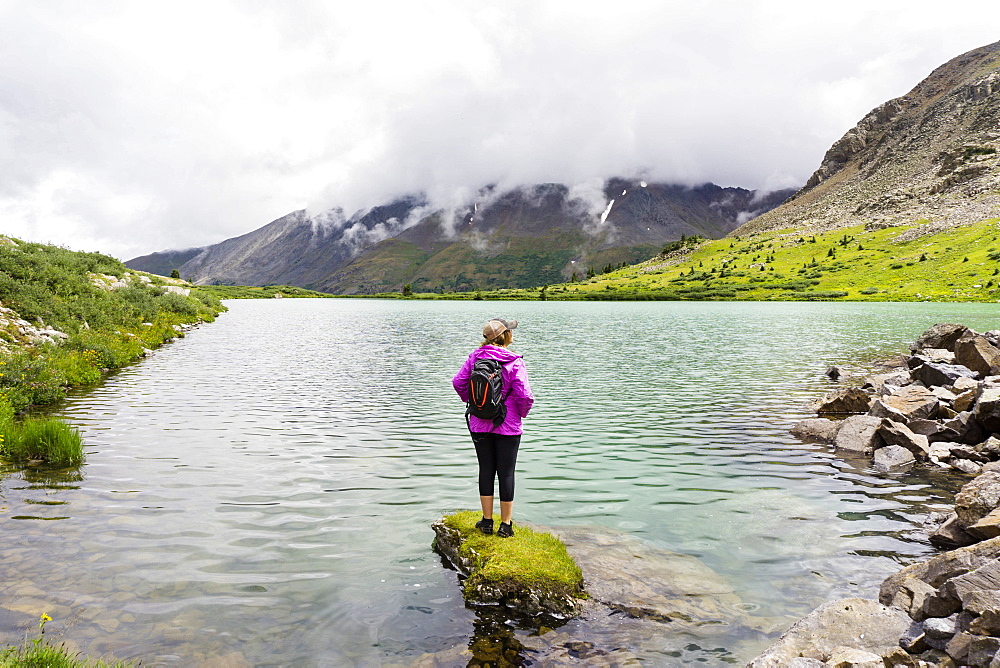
642 581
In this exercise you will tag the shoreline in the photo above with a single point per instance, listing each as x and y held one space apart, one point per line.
938 406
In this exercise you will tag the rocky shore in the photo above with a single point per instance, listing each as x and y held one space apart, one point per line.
938 406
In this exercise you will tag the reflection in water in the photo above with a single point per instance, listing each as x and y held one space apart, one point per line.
264 488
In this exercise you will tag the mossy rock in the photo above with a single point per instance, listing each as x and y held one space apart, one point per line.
530 574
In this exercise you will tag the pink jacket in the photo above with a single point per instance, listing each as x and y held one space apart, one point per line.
517 392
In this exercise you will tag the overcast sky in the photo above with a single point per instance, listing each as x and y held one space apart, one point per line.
128 127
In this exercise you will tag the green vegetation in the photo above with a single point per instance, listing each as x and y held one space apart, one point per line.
48 440
66 319
854 264
254 292
529 558
37 653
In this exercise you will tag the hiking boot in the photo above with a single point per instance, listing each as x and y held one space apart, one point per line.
485 525
506 529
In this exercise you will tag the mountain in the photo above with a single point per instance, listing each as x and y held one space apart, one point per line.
522 237
163 262
930 156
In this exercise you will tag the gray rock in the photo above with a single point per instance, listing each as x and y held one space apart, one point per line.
893 457
940 627
964 401
986 577
897 433
982 601
941 568
940 452
854 622
987 624
886 383
913 639
963 384
924 427
816 430
951 534
939 355
942 335
990 447
977 353
859 434
982 649
834 372
978 498
803 662
848 657
943 394
934 374
910 596
966 466
961 451
986 527
987 409
908 403
958 647
966 426
899 657
849 400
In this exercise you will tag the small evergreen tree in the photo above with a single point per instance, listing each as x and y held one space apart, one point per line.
408 290
175 273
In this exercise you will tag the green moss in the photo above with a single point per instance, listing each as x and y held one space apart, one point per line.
531 558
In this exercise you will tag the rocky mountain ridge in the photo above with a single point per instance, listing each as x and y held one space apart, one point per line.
931 156
520 237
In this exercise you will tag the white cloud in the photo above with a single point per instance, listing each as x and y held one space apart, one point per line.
134 127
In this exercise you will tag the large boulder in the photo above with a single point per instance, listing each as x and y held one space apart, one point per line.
632 577
933 374
849 400
940 336
816 430
858 434
908 403
987 409
854 623
977 353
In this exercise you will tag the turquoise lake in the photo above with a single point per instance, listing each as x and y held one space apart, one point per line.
263 489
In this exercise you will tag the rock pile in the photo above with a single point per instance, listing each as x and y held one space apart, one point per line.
939 406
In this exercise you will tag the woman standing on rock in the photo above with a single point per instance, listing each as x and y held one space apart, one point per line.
496 440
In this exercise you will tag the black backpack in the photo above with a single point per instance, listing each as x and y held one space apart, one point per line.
486 400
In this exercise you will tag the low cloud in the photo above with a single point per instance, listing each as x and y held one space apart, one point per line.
113 138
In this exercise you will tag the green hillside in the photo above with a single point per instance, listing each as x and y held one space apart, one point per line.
66 318
905 263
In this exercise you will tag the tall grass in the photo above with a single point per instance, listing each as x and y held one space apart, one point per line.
49 440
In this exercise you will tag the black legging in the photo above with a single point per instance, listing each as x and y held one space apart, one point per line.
497 456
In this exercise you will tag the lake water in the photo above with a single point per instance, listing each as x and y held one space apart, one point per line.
263 488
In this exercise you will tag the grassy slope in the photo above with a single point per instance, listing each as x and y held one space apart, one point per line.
959 264
49 286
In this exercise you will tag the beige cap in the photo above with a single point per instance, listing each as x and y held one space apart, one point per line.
496 327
